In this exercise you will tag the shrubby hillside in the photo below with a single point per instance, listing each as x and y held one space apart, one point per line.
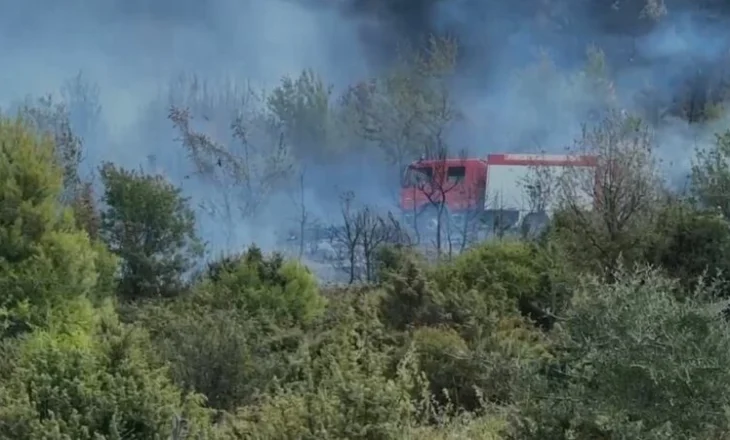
610 324
118 321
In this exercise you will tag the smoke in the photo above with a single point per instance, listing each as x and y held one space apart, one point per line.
521 81
133 48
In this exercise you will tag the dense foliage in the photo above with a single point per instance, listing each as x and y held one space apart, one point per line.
510 339
609 324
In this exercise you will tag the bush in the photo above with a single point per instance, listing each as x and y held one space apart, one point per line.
346 391
690 244
285 291
634 362
470 339
89 381
229 357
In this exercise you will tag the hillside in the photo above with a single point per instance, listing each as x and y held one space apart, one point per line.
222 260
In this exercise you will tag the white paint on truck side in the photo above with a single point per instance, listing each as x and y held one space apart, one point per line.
506 186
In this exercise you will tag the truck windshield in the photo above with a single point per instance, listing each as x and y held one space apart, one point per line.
417 176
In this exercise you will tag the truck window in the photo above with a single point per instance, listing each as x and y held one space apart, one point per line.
418 176
456 174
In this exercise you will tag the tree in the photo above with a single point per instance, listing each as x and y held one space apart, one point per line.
82 99
436 185
345 366
501 219
540 186
244 172
261 286
361 236
150 226
346 239
198 339
606 211
409 111
303 218
45 262
377 232
50 117
86 211
465 230
92 379
691 245
303 110
236 155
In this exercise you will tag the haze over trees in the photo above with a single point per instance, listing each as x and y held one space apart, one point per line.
119 319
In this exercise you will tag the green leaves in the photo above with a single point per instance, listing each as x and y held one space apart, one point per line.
150 226
637 358
30 182
302 108
44 261
287 292
86 384
711 175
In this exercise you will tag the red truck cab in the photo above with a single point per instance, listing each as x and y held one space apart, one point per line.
461 182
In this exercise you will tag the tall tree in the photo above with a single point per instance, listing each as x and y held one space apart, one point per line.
45 262
408 112
608 210
51 117
235 152
303 110
151 227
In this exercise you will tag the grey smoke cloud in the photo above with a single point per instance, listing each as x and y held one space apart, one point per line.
132 49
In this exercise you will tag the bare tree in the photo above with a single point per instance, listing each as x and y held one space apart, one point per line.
378 231
436 186
361 235
501 222
346 238
465 227
232 151
83 101
243 172
303 215
610 206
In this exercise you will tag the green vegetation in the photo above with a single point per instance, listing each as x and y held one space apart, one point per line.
509 340
612 324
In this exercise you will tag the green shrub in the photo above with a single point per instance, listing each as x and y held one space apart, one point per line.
285 291
226 355
44 260
90 380
633 362
346 390
690 244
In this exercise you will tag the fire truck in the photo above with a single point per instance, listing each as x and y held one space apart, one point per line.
498 190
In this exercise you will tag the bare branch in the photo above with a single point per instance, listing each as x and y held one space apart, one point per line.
249 171
362 234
